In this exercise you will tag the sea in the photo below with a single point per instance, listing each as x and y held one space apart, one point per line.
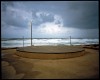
22 42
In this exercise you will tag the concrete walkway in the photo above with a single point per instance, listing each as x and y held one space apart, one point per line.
51 49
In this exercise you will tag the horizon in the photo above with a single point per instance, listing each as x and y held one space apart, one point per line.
49 38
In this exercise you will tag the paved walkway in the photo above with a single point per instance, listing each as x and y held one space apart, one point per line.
51 49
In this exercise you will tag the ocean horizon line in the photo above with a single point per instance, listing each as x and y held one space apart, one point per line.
50 38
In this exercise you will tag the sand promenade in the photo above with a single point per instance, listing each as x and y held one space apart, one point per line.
83 67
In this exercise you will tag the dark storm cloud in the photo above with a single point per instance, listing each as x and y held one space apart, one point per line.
10 16
76 14
13 16
5 4
82 15
45 18
41 17
12 21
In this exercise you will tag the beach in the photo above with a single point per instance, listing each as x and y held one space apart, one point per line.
83 67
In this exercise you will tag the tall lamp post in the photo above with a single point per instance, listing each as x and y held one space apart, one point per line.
31 33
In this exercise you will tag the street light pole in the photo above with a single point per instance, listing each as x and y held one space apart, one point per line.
31 33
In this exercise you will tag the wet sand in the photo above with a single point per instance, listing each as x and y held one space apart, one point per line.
83 67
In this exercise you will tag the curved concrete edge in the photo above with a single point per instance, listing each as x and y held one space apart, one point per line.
50 49
49 52
50 56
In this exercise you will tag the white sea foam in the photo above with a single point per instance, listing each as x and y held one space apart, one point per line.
43 42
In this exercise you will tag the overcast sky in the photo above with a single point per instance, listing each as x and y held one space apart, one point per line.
50 19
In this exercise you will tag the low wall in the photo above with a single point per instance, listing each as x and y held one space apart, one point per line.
49 55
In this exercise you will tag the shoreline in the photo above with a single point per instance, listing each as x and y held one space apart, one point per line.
91 46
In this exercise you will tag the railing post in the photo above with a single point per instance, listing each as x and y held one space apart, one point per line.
31 33
23 41
70 40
